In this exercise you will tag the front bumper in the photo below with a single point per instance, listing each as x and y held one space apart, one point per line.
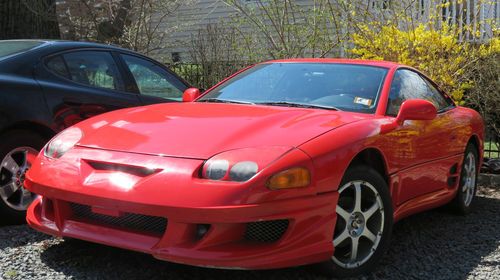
231 235
307 238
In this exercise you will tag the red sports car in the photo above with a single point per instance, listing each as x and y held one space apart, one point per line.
285 163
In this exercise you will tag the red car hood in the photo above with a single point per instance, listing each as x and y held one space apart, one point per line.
201 130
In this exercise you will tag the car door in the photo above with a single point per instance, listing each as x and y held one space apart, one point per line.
82 83
152 81
421 148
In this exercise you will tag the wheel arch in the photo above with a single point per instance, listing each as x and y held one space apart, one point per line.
374 158
474 140
43 130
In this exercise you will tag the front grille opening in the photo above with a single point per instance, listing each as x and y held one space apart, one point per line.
128 221
130 169
267 231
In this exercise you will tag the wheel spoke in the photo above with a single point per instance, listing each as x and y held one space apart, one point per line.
357 199
471 162
368 234
343 236
8 190
465 187
343 213
354 248
10 164
26 198
368 213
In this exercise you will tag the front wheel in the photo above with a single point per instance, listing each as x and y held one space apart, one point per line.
364 223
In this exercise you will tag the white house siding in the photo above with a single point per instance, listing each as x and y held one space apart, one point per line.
196 14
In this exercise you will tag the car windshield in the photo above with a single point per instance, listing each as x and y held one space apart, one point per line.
333 86
8 48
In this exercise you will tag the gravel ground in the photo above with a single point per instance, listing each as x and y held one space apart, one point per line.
431 245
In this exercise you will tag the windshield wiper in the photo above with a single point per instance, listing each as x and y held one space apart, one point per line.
217 100
299 105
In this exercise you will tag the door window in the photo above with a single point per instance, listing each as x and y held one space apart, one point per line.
153 80
93 68
57 65
407 84
437 98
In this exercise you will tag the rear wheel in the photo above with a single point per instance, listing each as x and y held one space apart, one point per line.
468 181
18 150
364 223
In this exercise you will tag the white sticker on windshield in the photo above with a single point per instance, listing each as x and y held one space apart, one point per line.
363 101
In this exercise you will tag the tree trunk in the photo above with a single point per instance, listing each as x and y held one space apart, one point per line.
28 19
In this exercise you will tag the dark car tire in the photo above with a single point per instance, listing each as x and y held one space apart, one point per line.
381 219
11 141
467 186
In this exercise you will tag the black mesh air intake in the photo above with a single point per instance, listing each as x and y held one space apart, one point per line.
136 222
268 231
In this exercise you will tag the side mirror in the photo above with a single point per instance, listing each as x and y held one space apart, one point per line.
190 94
416 109
413 109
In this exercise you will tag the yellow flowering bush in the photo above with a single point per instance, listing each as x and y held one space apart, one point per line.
436 52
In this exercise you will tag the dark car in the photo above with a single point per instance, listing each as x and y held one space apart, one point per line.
46 86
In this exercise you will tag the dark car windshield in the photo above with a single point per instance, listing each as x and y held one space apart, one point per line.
314 85
8 48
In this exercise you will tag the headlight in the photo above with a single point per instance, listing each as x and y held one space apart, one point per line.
240 165
243 171
239 172
63 142
216 170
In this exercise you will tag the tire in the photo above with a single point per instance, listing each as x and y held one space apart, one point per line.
18 148
467 187
375 213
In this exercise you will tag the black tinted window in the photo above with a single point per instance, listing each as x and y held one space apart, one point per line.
93 68
153 80
407 84
56 64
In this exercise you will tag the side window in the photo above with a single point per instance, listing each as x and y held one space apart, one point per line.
407 84
436 97
153 80
93 68
57 65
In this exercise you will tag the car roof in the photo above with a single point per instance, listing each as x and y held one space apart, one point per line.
70 44
77 44
378 63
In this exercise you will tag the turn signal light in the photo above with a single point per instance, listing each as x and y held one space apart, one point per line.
297 177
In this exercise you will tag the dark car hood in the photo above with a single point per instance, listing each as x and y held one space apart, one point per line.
201 130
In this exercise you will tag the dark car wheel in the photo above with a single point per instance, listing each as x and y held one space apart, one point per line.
18 149
466 191
364 223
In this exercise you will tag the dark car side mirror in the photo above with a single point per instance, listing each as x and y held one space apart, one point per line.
416 109
413 109
190 94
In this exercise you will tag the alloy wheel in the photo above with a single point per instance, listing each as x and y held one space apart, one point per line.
469 178
360 224
12 175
